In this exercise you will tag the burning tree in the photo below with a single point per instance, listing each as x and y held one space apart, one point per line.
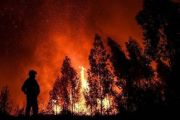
65 89
132 74
68 83
99 76
121 66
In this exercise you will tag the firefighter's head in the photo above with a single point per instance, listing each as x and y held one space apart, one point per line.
32 74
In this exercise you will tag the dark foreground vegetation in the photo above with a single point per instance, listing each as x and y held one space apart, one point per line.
143 115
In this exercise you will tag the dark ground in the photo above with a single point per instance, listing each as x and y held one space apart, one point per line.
161 115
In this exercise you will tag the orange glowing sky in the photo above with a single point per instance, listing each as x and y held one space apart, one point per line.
38 34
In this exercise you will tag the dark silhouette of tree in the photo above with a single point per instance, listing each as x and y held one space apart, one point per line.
64 95
56 94
141 74
141 65
159 20
99 76
121 68
134 75
49 107
54 98
5 101
118 59
163 72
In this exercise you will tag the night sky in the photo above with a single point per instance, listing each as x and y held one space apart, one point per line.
38 34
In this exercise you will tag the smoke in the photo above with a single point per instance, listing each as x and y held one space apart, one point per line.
39 34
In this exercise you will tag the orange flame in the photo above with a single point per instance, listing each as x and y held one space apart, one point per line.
80 107
56 108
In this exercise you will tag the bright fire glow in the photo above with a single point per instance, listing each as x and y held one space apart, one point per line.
83 80
106 103
80 107
57 109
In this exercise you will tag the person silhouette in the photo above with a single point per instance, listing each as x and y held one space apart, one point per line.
31 90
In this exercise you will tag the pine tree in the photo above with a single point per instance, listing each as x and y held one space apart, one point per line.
163 72
54 97
99 74
56 94
49 107
65 90
118 59
141 73
68 84
121 68
159 21
142 68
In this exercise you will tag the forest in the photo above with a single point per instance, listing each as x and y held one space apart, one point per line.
137 81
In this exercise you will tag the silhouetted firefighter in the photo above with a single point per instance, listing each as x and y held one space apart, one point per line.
31 89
